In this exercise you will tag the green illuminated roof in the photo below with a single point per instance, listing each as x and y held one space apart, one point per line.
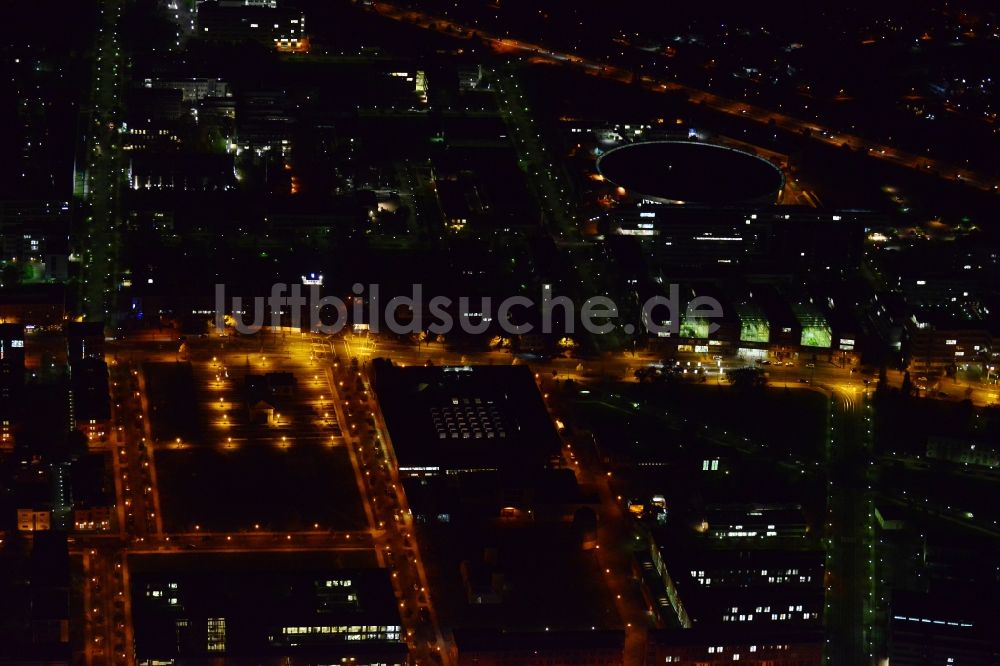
754 326
815 329
694 327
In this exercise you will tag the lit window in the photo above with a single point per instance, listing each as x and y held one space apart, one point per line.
216 634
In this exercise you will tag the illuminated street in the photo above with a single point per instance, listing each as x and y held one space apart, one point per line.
499 333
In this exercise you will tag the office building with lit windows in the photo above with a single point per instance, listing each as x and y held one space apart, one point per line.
941 342
265 609
729 588
269 23
745 605
755 522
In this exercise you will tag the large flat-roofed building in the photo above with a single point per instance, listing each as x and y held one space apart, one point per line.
262 609
463 419
784 239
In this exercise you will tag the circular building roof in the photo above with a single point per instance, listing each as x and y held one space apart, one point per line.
689 172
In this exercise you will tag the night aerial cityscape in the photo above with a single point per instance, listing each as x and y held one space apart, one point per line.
499 333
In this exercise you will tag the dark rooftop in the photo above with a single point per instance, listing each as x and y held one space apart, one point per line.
499 640
465 418
91 397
